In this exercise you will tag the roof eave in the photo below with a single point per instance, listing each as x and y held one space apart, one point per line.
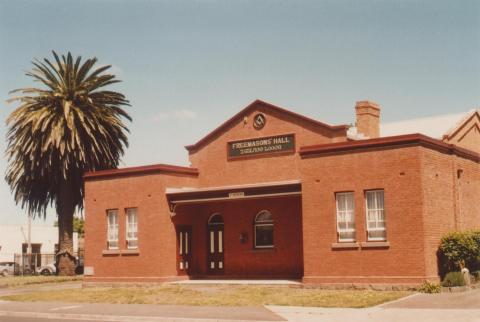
141 170
387 142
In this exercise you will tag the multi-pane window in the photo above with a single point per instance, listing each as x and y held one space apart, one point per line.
264 230
345 217
132 228
376 230
112 229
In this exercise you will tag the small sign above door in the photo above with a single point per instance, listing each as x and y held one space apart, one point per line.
265 145
239 194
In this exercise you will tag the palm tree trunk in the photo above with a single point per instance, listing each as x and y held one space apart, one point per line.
65 258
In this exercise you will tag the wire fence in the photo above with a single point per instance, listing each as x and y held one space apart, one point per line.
38 264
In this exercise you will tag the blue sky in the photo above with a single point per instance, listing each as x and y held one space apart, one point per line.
186 66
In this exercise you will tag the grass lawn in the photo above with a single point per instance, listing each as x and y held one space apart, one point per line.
217 295
18 281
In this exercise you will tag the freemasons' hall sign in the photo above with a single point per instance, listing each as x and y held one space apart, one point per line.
265 145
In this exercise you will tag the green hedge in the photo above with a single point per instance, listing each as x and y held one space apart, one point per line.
457 249
453 279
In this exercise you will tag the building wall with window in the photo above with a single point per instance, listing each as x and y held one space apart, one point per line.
400 256
284 259
153 259
333 209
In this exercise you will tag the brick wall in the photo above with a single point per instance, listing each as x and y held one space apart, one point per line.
450 199
217 170
242 259
156 258
397 171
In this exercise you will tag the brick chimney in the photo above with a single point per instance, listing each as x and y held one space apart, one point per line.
368 119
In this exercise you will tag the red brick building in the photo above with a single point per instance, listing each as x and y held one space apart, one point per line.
273 194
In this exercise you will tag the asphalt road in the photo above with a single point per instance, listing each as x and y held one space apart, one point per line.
133 312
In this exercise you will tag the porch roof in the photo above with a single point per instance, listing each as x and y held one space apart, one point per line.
177 196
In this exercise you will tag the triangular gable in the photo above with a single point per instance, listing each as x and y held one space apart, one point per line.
466 133
254 105
472 115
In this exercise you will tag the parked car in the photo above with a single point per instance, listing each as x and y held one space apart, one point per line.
49 269
7 268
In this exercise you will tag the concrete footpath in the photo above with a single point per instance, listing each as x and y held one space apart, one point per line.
376 314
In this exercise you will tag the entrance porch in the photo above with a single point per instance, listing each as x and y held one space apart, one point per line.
241 232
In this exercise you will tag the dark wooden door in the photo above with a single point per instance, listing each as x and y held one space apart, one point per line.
215 255
184 250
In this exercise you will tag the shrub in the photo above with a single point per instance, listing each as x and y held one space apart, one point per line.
453 279
476 276
429 287
457 249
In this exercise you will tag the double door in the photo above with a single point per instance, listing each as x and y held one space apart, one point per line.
215 254
215 248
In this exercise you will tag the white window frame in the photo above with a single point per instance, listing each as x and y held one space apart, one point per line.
131 228
376 221
350 225
262 224
112 229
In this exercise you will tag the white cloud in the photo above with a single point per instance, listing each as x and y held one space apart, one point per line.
175 115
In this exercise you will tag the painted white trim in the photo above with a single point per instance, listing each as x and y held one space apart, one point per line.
175 191
246 197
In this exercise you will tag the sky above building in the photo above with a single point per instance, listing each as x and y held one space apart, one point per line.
187 66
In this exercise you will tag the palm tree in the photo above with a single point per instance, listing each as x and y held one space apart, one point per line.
59 132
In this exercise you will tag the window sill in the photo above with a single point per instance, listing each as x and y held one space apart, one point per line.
111 252
375 244
127 252
345 245
264 250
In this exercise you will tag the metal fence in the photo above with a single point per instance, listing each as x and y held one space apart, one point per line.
35 263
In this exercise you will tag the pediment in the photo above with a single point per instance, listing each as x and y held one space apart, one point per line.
267 108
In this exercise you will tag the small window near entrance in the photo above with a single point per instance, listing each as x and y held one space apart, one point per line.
264 230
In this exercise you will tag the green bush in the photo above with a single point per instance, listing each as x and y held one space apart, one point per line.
453 279
457 249
429 287
476 276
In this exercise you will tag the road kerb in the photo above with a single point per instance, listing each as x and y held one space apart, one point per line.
112 318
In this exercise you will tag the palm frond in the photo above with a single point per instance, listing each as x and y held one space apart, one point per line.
58 132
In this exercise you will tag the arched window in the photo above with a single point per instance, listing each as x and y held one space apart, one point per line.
215 219
263 230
